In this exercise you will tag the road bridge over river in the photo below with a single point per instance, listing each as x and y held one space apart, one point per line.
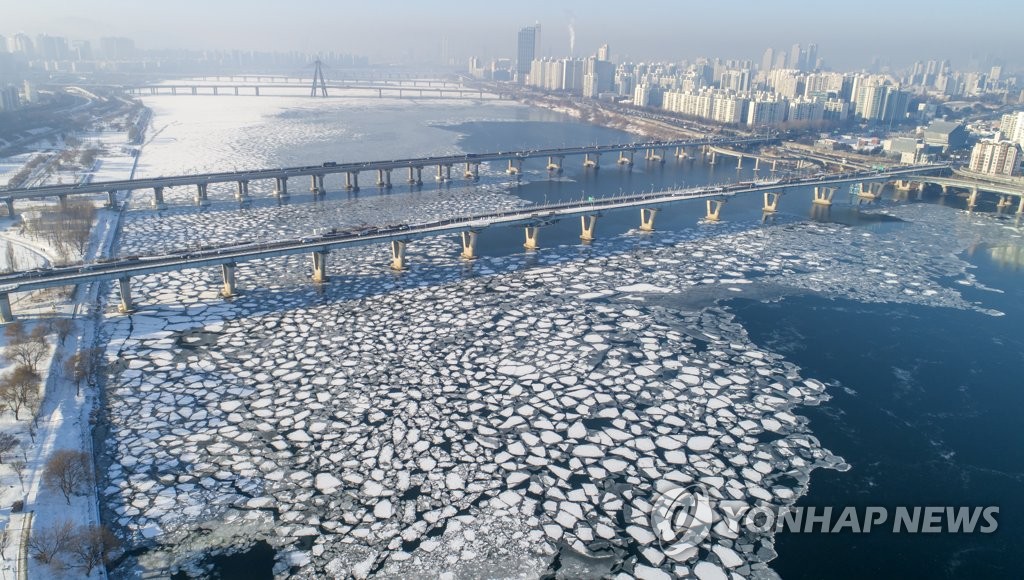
532 218
352 170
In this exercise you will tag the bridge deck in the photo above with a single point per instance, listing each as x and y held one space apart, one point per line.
288 172
36 280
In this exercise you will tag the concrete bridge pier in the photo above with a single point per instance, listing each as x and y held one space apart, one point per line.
589 227
380 178
440 173
447 171
647 219
531 237
228 271
158 198
398 255
739 163
554 165
874 191
823 195
904 184
757 164
111 199
972 199
773 165
315 187
472 171
1003 203
319 266
771 201
5 308
625 158
416 176
1020 206
242 193
714 207
202 198
281 187
62 199
352 180
124 286
712 162
594 162
945 189
468 238
515 166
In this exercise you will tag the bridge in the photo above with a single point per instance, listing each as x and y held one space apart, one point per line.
317 173
401 81
423 90
468 228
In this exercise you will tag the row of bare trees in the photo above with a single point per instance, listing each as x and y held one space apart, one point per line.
19 388
66 229
64 546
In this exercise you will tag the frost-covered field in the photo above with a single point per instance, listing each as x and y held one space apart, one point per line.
480 420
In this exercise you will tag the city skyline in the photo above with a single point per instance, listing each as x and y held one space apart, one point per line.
896 35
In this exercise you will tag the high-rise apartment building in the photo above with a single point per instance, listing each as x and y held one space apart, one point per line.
995 157
528 48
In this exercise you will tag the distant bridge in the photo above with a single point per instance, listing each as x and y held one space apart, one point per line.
655 150
399 89
468 228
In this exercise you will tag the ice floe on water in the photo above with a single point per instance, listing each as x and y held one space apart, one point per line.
514 420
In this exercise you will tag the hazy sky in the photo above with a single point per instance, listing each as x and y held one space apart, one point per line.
963 31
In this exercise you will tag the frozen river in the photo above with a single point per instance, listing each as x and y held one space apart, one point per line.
513 417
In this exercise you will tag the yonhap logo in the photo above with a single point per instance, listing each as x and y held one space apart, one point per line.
681 518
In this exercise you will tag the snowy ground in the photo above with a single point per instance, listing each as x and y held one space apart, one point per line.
480 419
64 415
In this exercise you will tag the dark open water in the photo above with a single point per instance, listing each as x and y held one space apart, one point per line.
932 414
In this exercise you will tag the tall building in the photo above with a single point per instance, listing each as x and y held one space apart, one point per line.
528 48
1012 127
603 53
796 57
995 157
51 47
21 43
811 58
117 48
768 59
766 110
9 98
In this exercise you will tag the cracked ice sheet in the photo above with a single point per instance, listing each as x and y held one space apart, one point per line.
398 404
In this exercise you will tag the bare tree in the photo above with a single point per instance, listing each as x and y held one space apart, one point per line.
48 543
63 327
7 443
69 471
5 540
20 389
19 468
82 365
16 331
28 353
12 257
93 546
